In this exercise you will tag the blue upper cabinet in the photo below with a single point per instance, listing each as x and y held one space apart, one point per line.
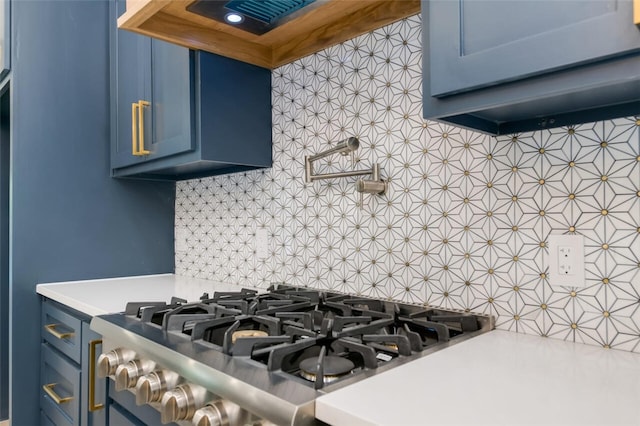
179 114
510 66
152 99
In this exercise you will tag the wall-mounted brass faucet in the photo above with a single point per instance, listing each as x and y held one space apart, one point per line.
375 185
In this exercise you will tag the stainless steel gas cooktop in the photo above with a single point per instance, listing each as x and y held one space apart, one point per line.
257 358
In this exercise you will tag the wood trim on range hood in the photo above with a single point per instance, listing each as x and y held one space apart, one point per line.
328 24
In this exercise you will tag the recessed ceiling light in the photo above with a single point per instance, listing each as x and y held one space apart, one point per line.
233 18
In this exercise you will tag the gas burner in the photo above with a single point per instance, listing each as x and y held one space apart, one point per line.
245 334
329 368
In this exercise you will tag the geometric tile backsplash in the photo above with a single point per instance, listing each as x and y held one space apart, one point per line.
465 221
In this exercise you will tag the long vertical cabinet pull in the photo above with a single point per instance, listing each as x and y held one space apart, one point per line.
92 376
141 106
636 12
134 128
137 128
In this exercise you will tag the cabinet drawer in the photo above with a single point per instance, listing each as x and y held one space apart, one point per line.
125 401
62 378
61 330
45 421
118 417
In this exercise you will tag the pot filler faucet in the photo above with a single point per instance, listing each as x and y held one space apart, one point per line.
375 185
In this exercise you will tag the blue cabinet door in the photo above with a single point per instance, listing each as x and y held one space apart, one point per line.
130 83
151 91
481 43
171 109
93 403
119 417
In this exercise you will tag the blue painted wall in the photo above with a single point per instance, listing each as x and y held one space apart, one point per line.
4 255
70 219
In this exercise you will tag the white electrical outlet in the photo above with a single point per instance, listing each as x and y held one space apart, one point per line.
262 243
566 260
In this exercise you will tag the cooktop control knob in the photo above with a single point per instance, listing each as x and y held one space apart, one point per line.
181 403
220 413
127 375
109 361
151 387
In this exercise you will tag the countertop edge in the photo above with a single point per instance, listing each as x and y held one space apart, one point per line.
110 295
42 286
51 291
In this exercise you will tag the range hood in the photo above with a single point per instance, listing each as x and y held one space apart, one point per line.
256 16
269 33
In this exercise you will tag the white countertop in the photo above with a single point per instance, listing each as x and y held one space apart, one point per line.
499 378
97 297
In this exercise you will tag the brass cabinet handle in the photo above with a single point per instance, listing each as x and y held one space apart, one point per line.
140 148
51 328
48 388
92 376
636 12
134 128
141 106
137 128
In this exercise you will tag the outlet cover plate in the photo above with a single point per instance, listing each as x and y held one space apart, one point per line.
262 243
566 260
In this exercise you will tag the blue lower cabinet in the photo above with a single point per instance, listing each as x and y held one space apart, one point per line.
70 392
60 393
179 114
127 412
120 417
45 421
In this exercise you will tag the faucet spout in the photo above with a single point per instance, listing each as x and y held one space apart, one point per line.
343 147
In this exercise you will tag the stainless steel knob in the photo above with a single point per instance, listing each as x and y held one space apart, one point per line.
181 403
151 387
109 361
220 413
376 187
127 375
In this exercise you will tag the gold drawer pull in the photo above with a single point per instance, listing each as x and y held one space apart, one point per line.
92 376
137 128
56 398
142 104
636 12
134 128
51 328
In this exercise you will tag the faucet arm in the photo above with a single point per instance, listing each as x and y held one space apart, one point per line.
311 177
